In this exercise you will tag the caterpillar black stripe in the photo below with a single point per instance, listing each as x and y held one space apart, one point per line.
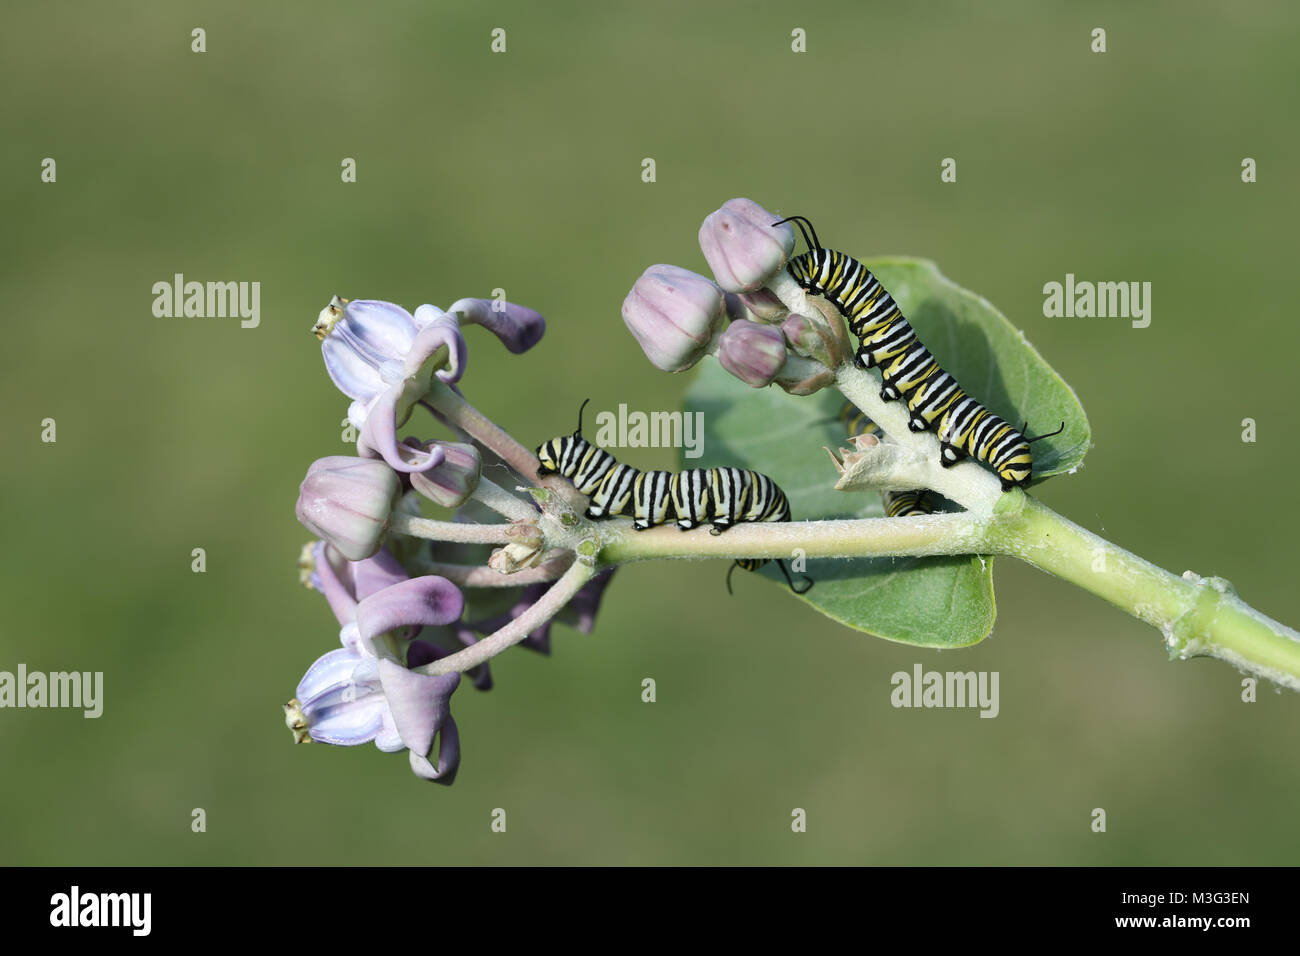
719 497
908 370
898 504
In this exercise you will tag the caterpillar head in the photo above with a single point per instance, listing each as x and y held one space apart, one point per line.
549 454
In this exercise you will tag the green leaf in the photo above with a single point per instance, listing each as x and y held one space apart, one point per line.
931 602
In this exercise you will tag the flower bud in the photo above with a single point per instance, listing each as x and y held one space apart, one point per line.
674 315
347 502
514 557
801 332
742 246
452 482
753 353
764 306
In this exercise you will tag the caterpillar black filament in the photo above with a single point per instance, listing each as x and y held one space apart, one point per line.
720 497
908 371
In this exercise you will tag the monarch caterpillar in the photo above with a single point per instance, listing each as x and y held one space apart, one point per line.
719 496
907 369
898 504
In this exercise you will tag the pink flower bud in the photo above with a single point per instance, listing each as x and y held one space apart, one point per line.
674 315
742 246
764 306
347 502
449 484
753 353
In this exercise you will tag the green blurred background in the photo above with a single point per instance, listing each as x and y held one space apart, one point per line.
522 171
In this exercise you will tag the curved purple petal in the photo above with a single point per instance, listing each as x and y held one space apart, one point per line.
437 329
427 600
518 327
448 757
380 570
378 436
420 703
338 593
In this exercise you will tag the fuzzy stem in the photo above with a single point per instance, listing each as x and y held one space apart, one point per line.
460 413
545 608
503 502
858 537
404 523
479 576
1198 617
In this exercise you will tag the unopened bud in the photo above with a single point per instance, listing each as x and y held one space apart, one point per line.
452 482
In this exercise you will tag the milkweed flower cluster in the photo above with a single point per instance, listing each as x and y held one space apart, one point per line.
401 607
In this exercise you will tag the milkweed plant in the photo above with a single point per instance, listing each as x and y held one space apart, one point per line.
425 602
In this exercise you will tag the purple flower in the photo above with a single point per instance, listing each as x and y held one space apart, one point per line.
674 315
753 353
361 692
742 246
347 501
347 698
383 358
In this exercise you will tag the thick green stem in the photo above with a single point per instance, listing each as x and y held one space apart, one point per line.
859 537
1198 616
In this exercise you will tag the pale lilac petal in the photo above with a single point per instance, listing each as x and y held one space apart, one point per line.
427 600
518 327
379 436
437 329
389 739
354 376
370 336
341 699
420 703
448 757
338 591
379 571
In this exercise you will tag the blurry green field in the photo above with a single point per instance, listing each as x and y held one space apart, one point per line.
522 171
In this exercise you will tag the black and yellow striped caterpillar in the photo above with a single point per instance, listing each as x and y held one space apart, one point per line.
907 369
720 497
898 504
